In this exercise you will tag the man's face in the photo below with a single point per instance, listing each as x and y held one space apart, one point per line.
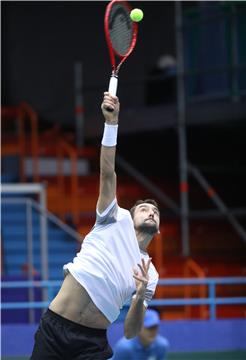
148 335
146 218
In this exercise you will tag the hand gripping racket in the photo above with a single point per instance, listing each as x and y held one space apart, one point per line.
121 37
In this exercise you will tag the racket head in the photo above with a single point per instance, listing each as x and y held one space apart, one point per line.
120 32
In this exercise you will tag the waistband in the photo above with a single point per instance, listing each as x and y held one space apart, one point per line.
52 315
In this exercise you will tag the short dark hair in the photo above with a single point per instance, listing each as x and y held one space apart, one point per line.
138 202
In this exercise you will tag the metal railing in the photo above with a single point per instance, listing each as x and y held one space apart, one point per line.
192 267
212 300
45 215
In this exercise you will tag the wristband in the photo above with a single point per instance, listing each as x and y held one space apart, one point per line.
110 135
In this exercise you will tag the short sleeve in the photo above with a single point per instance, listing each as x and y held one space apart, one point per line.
109 215
153 281
163 347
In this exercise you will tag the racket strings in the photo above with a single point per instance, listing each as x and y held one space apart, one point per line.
120 29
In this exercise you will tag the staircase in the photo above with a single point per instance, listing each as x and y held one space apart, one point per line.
61 247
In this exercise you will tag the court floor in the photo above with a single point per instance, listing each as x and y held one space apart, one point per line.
229 355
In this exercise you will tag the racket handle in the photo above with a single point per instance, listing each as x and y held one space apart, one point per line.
112 89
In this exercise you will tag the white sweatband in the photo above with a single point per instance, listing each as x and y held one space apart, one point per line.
110 135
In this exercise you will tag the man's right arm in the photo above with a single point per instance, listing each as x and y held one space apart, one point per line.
107 188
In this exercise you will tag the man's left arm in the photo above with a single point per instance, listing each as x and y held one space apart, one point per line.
135 316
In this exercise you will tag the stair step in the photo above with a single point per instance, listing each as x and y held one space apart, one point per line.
20 259
55 273
56 245
8 178
21 232
19 219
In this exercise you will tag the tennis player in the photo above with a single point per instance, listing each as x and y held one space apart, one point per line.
111 269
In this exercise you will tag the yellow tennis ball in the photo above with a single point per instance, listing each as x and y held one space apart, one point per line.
136 15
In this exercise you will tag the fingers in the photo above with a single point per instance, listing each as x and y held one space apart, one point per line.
142 270
110 101
140 279
145 266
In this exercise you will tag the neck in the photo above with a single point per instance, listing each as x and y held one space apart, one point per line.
143 240
144 342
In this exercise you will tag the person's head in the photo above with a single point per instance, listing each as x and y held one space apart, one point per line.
146 216
150 327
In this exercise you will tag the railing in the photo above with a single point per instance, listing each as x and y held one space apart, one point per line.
64 148
33 117
44 216
192 267
53 286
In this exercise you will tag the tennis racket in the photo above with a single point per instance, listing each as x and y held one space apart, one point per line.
121 36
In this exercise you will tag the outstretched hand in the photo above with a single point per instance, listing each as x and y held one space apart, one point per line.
112 102
142 277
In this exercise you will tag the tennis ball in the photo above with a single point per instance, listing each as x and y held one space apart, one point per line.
136 15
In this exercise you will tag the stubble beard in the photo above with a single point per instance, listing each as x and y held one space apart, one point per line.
147 228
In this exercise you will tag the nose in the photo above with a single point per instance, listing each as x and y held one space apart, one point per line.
151 213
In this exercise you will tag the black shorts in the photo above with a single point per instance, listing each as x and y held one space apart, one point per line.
60 338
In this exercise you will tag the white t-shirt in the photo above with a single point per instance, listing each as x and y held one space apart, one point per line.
104 265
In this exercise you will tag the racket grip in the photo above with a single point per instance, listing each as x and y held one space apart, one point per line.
113 83
112 89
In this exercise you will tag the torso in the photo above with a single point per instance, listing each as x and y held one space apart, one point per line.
73 303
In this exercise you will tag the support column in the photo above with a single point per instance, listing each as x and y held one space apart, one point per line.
181 109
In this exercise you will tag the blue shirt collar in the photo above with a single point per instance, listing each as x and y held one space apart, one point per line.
139 345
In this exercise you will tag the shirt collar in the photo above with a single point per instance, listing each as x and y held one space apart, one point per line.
139 345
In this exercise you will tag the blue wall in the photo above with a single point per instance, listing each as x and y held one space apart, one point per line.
182 335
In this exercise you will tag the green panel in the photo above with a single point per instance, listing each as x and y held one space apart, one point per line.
228 355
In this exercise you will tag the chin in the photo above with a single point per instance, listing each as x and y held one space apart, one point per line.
150 229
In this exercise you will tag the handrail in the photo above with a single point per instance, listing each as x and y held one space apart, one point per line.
192 266
53 218
33 117
64 148
211 300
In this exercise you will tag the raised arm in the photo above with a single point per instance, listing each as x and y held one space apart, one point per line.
107 188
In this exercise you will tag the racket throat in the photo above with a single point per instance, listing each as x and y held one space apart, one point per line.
113 84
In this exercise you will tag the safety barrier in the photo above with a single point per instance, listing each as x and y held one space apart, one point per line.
211 300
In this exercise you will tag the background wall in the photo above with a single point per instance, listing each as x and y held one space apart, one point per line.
43 40
182 335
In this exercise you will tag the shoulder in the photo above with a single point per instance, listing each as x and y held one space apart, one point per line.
162 342
124 345
153 275
112 214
